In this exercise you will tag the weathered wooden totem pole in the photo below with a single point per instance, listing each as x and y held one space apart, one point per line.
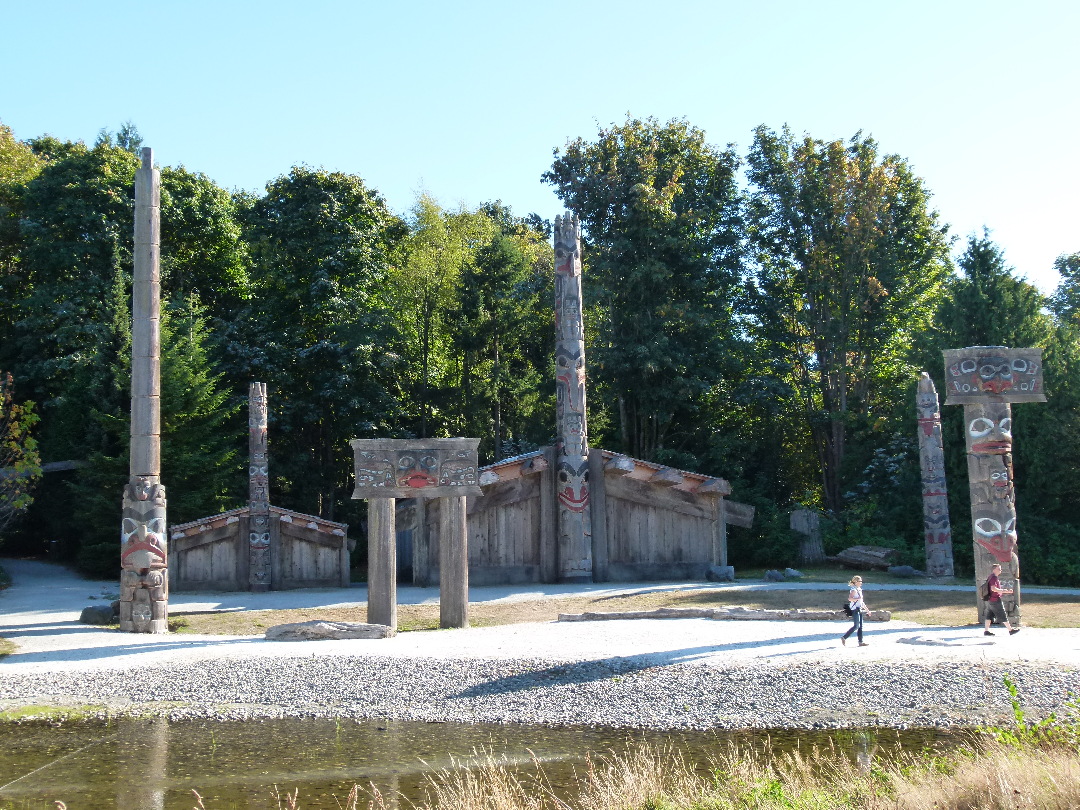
939 553
258 490
986 380
572 465
144 576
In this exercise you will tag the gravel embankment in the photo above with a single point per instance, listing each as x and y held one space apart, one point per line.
618 692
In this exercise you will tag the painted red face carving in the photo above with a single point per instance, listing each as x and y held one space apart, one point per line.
419 470
573 486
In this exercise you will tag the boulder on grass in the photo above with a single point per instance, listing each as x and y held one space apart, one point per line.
791 573
319 630
774 576
905 571
868 557
721 573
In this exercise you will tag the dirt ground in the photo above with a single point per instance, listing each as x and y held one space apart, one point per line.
941 608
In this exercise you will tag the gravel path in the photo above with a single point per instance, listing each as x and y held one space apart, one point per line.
622 692
653 673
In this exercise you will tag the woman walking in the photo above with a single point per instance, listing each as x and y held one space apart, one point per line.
858 608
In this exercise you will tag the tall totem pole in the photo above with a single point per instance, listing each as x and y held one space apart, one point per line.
144 578
938 531
986 380
572 473
258 490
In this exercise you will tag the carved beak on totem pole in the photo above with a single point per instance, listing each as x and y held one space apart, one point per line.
996 537
141 544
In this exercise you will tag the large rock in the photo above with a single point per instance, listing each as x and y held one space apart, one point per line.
905 571
721 573
868 557
773 576
98 614
318 630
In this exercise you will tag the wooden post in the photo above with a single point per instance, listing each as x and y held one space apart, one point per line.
572 469
382 563
985 380
144 575
598 514
936 524
549 521
453 563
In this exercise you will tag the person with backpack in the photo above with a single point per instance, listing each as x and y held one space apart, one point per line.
858 608
995 611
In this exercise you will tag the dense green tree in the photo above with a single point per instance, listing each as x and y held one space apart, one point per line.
987 305
200 433
1066 299
439 246
660 210
18 166
503 331
20 464
849 260
321 332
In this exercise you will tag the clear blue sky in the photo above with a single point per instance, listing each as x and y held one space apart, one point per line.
467 100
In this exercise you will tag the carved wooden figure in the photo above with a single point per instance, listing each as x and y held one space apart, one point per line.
986 380
572 465
144 576
936 525
258 490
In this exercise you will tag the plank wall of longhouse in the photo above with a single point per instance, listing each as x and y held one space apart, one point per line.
649 522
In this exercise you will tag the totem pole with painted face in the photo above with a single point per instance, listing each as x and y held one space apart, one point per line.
258 490
986 380
937 529
144 576
572 466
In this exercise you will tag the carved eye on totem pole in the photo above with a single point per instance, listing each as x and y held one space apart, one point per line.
259 540
573 485
418 471
997 537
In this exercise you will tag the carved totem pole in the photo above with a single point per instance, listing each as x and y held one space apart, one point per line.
939 553
144 577
986 380
572 468
258 491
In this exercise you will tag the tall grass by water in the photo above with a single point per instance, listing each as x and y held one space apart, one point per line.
1028 764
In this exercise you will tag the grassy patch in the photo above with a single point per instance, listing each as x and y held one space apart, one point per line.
943 608
7 647
51 713
5 578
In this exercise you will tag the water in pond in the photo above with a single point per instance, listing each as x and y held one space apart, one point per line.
154 764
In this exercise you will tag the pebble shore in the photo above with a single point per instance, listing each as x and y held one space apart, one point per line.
615 692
